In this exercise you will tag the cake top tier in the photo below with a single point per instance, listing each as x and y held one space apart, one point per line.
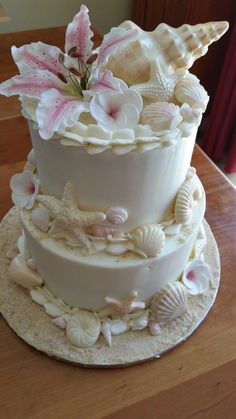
136 81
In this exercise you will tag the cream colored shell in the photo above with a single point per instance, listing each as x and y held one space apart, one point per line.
174 48
169 303
161 116
22 274
148 240
83 329
188 90
189 192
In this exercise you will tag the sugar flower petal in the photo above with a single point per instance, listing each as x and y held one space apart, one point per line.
78 34
196 277
24 188
31 84
56 112
105 82
38 56
112 40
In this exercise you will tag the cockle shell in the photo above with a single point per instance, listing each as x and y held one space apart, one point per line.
116 215
41 218
161 116
190 91
174 48
169 303
189 192
22 274
83 329
148 240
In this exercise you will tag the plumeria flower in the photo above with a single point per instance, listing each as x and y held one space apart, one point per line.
59 81
117 110
196 277
24 188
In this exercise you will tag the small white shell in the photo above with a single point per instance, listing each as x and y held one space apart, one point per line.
41 218
118 326
188 90
22 274
140 322
187 194
169 303
154 327
148 240
161 116
116 215
61 321
21 244
117 249
39 296
53 310
196 277
83 329
106 331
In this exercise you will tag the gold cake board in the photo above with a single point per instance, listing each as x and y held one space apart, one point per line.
30 321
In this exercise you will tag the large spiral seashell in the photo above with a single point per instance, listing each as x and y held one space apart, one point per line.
189 192
161 115
169 303
83 329
148 240
190 91
174 48
116 215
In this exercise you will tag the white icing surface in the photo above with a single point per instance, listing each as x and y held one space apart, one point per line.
85 281
145 184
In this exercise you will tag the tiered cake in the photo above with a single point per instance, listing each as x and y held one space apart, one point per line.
110 208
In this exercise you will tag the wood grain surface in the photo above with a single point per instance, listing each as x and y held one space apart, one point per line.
196 380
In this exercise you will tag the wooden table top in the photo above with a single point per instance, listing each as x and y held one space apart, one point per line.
198 379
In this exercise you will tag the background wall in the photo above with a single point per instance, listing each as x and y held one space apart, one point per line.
35 14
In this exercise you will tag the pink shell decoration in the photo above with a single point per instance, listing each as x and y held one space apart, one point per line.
41 218
32 264
169 303
102 231
116 215
196 277
154 327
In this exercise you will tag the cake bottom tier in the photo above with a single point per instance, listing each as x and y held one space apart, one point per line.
85 281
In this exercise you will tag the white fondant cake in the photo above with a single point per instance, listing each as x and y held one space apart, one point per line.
110 208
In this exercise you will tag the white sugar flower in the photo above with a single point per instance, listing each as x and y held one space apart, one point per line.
117 110
24 188
196 277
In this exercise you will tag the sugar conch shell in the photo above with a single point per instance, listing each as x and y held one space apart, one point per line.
174 48
148 240
83 329
169 303
189 192
161 116
22 274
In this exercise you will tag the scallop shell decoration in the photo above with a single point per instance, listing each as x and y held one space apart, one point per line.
83 329
189 192
173 48
190 91
148 240
116 215
169 303
161 116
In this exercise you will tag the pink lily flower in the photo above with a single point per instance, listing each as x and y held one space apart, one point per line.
63 83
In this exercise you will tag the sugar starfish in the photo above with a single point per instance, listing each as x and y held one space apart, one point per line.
122 307
69 221
161 86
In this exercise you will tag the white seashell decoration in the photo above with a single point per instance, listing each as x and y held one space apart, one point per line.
196 277
174 48
53 310
148 240
118 326
106 330
83 329
191 92
140 322
40 216
39 296
116 215
189 192
21 244
169 303
117 249
61 321
161 116
154 327
22 274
